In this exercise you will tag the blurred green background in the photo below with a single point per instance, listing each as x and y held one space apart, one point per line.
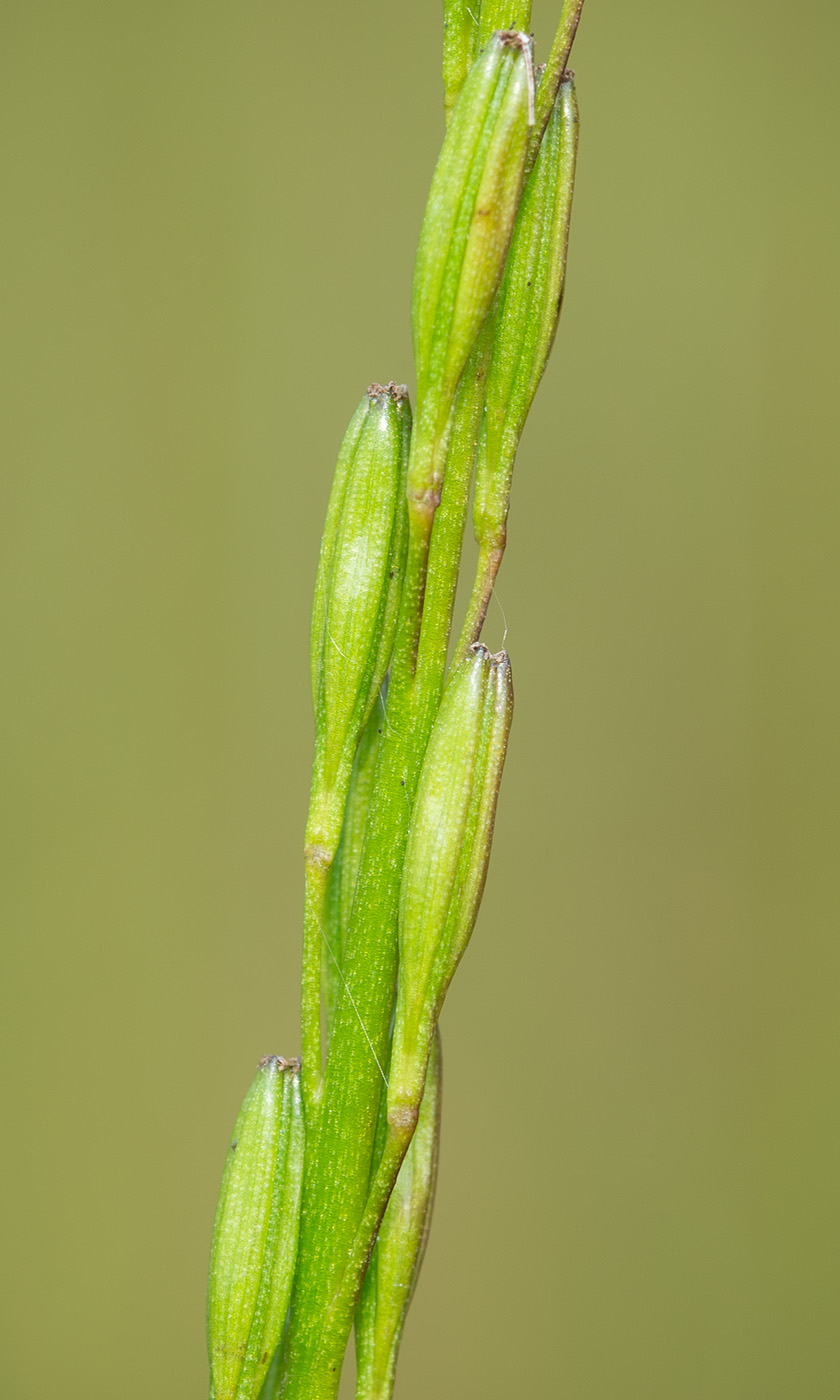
209 222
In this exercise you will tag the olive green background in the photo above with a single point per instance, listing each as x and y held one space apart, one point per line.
209 219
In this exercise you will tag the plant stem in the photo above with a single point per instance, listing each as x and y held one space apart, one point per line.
341 1208
316 873
323 832
552 77
346 1188
489 563
447 541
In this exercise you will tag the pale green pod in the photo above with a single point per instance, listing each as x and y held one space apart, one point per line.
252 1260
346 455
466 230
357 593
530 299
446 856
398 1254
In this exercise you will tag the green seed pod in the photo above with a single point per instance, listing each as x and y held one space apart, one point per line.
530 299
357 593
398 1254
252 1260
446 856
466 230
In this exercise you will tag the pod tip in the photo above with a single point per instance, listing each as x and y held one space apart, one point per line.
280 1063
514 39
397 392
499 659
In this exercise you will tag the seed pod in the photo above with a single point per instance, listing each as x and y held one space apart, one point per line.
530 299
398 1254
252 1260
357 591
446 856
466 230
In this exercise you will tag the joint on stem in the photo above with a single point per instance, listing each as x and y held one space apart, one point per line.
423 503
317 856
403 1117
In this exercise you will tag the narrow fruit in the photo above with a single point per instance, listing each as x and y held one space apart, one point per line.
446 857
357 593
252 1259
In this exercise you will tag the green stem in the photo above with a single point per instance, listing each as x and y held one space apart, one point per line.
397 1143
447 541
552 76
341 1210
317 870
327 800
340 1140
489 562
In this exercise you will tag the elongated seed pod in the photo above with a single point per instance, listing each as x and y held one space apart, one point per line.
466 230
354 617
446 856
530 299
398 1254
357 591
338 490
252 1260
525 321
